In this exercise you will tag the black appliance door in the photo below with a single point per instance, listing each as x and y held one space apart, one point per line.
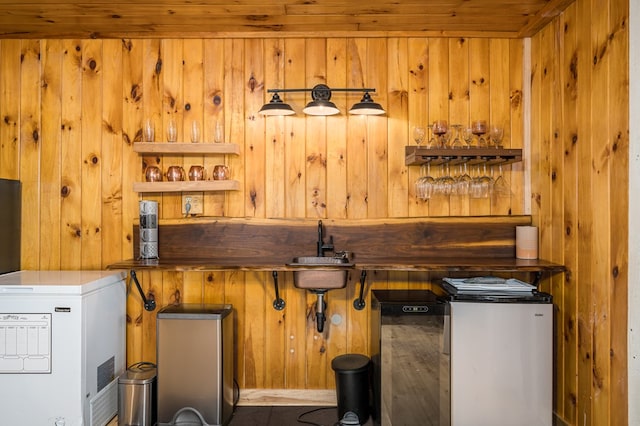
10 212
410 357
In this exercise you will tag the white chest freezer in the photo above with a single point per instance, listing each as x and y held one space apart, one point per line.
62 347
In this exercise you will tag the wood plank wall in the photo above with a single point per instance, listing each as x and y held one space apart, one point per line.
72 108
580 147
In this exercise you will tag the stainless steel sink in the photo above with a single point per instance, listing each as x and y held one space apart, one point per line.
320 273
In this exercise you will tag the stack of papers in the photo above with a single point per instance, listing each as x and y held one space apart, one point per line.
488 285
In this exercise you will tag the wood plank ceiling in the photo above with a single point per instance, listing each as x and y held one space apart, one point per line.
257 18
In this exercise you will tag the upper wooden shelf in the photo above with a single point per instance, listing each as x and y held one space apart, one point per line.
185 148
415 155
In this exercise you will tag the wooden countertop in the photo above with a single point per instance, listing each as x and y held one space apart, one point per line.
382 264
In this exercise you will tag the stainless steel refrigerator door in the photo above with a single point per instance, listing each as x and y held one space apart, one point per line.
501 364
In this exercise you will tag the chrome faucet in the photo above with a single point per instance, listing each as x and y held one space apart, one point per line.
322 247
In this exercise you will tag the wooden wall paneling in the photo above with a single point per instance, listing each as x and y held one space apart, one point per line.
274 139
294 76
152 285
618 200
335 335
91 154
234 120
398 133
193 290
193 83
458 70
296 329
315 176
357 143
254 159
213 287
112 152
418 110
439 108
132 118
515 172
30 147
375 76
151 101
257 329
316 132
233 96
479 103
499 110
336 197
50 198
567 340
543 142
214 104
601 151
172 109
10 108
557 175
586 226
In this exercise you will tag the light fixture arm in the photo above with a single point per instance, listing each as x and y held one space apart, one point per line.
321 103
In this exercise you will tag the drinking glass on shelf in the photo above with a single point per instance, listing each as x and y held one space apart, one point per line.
467 136
495 135
419 134
148 132
440 128
195 131
172 131
479 128
218 133
457 142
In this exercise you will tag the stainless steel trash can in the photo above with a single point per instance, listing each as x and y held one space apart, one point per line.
137 396
195 364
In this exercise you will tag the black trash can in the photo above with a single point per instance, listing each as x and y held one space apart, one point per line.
352 385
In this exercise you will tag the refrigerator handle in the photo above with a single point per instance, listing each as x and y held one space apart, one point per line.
149 304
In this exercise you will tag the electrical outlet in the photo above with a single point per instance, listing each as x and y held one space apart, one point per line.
195 202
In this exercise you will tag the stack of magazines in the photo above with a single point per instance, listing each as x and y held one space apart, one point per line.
487 286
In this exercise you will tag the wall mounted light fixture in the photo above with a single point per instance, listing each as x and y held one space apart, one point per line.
321 102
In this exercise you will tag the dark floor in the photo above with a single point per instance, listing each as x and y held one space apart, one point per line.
286 416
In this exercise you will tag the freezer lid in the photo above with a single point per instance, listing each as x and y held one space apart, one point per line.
57 282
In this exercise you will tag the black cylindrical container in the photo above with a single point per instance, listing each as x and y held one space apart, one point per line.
352 385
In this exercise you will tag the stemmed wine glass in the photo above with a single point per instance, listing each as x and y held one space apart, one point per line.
495 135
425 183
479 128
467 136
419 133
500 185
440 128
457 142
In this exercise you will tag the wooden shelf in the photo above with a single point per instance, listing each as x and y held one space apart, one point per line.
187 186
415 155
186 148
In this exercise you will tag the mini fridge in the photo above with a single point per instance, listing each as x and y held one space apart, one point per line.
410 358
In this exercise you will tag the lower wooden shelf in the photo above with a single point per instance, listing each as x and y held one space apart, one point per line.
187 186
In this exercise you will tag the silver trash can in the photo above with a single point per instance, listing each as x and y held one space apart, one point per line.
137 396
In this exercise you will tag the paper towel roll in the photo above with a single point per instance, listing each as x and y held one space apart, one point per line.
527 242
